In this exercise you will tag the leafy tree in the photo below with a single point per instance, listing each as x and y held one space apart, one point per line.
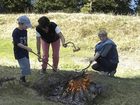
15 5
55 5
106 6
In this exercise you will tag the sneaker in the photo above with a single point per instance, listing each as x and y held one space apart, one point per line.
112 73
104 73
43 71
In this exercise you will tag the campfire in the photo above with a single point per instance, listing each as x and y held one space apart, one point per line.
78 84
69 88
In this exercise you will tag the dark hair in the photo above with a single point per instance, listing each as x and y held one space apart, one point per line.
102 32
43 22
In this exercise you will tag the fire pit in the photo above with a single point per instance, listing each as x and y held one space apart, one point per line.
68 87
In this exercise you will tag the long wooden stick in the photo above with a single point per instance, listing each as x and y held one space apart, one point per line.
41 59
86 67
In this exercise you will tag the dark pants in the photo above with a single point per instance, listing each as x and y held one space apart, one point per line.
104 65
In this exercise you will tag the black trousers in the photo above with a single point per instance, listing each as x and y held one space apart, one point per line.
104 65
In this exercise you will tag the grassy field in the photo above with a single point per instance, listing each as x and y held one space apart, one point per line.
81 29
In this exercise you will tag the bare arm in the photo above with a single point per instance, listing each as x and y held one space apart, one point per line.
62 38
24 47
95 57
102 53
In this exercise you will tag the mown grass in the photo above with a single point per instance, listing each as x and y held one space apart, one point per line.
79 28
82 29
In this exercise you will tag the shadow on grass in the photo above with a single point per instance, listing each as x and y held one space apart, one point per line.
118 91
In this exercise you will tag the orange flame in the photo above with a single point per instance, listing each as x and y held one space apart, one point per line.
77 85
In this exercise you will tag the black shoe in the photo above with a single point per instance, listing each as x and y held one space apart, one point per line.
22 79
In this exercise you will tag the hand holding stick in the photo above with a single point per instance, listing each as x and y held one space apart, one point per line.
40 59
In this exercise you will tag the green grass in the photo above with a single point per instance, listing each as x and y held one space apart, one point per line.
119 91
82 29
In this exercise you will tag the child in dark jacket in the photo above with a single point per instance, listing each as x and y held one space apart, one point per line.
21 49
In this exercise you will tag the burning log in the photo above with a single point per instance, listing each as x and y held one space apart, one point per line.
70 88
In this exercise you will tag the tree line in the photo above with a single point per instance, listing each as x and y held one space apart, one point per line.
89 6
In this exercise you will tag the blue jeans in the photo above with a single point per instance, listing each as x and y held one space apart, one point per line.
24 64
